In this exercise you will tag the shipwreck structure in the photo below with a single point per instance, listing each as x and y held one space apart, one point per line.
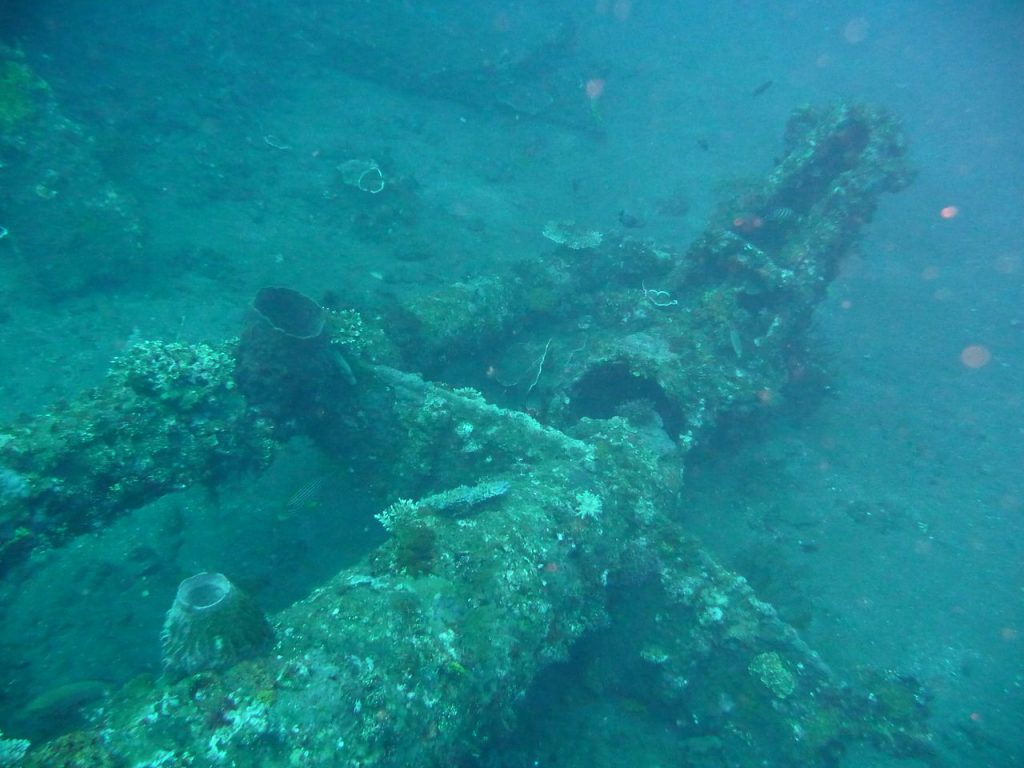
518 497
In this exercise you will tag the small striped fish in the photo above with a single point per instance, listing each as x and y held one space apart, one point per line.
308 494
780 215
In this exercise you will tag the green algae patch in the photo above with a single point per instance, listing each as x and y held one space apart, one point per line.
19 86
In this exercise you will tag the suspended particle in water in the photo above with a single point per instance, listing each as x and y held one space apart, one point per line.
975 356
856 30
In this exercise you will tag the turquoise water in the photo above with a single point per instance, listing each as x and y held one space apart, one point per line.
164 162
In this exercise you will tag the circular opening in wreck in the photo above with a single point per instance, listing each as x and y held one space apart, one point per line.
614 390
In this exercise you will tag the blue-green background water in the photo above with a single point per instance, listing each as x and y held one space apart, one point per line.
886 522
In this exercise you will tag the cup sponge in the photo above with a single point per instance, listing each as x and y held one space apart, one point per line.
211 625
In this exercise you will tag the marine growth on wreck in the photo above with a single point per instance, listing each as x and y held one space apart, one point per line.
520 507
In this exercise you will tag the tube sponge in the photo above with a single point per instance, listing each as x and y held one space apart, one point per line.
211 625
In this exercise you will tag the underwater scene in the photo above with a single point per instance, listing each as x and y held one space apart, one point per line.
512 384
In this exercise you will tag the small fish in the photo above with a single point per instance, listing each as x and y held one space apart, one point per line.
780 215
308 494
736 342
703 144
629 221
762 87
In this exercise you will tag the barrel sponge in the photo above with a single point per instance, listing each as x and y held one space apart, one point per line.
211 625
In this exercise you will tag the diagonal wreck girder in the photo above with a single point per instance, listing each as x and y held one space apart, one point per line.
420 654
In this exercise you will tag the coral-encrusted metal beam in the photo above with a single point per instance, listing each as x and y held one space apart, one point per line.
499 560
